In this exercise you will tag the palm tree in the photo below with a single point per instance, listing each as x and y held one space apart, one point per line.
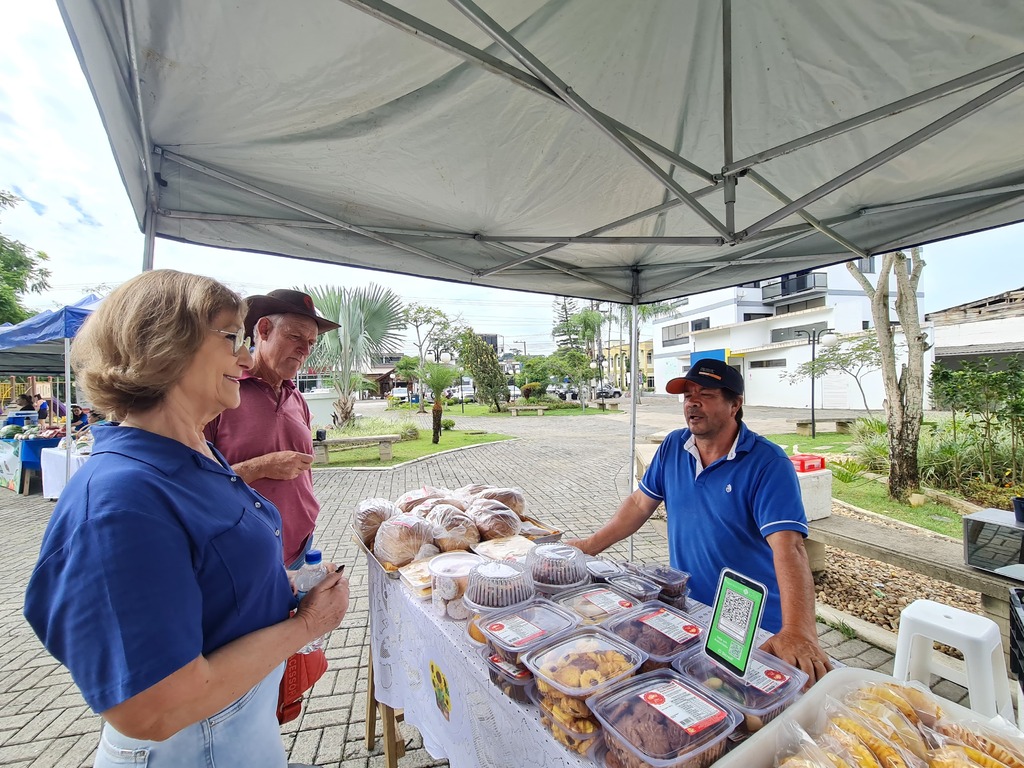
644 314
437 377
371 320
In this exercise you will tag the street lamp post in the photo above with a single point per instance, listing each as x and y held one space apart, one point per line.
462 399
524 346
814 338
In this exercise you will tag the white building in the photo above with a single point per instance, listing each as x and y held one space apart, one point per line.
992 327
761 330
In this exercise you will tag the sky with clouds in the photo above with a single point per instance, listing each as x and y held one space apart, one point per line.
54 155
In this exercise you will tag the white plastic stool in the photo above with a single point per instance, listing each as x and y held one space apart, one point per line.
977 637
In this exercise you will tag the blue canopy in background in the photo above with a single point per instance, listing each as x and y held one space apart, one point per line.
36 346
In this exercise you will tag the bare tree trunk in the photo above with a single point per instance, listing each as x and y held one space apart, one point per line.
904 390
344 409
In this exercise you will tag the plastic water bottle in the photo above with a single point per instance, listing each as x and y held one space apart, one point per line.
310 574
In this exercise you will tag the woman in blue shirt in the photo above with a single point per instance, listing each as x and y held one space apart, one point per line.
159 583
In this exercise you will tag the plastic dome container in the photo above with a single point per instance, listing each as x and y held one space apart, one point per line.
663 720
449 578
581 735
582 662
663 632
513 631
557 566
512 679
595 603
671 580
637 587
498 584
770 686
600 569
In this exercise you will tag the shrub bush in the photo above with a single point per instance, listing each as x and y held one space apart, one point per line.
379 426
532 389
447 423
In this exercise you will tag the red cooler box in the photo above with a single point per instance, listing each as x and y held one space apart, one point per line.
807 462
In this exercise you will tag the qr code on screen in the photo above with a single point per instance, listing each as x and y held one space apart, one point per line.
734 618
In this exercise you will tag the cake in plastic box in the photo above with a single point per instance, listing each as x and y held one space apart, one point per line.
514 631
595 603
660 630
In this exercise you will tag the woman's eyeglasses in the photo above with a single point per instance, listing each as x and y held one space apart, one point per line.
237 338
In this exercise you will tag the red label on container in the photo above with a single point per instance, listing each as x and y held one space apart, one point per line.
683 707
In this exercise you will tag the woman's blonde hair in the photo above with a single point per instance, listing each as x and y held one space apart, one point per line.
133 349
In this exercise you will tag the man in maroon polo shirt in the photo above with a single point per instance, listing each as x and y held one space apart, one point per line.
268 439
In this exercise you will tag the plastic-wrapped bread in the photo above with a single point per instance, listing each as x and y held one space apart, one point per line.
417 496
424 507
402 539
471 490
493 519
453 528
511 497
368 516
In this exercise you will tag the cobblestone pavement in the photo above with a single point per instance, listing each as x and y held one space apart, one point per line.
574 472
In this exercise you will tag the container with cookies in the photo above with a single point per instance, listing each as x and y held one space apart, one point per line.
449 577
636 586
595 603
512 679
498 584
665 633
600 569
579 734
512 632
574 666
662 720
679 601
671 580
556 567
769 687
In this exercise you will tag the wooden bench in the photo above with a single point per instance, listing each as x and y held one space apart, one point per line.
515 409
842 426
604 405
322 448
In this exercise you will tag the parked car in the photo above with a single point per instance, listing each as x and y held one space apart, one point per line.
514 393
462 394
400 394
607 390
567 393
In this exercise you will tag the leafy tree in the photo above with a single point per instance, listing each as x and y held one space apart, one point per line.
21 271
904 386
438 377
481 361
856 357
535 371
407 369
645 313
427 323
574 364
565 332
371 321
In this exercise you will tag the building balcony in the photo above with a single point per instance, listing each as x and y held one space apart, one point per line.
788 288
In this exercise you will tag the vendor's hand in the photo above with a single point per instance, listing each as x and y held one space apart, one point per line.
579 544
325 605
286 465
801 651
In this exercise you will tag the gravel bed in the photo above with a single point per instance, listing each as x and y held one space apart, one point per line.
876 592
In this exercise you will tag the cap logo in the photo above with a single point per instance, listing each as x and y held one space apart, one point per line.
707 372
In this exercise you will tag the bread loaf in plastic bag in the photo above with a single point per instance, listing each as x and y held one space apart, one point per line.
402 539
368 516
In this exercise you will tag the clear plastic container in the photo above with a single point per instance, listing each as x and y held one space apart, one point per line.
555 567
680 602
474 633
514 631
583 662
671 580
663 632
581 735
637 587
770 686
449 577
595 603
498 584
416 578
512 679
508 548
600 570
663 720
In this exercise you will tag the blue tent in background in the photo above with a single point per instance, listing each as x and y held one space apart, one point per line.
36 347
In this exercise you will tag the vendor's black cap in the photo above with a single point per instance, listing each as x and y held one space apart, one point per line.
708 373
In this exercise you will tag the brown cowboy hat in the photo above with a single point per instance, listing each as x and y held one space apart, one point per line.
284 301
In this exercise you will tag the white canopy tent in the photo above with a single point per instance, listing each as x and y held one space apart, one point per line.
623 151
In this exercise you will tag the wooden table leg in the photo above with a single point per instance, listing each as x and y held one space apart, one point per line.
371 708
394 745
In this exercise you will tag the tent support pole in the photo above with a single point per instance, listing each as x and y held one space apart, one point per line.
570 97
420 29
149 245
897 149
67 409
1005 67
633 386
727 142
922 235
924 202
715 241
775 192
357 230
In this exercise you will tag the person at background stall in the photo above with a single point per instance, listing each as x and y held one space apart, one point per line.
159 582
78 420
269 438
42 407
25 403
732 500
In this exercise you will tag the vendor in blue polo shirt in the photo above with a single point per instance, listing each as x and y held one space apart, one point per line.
732 500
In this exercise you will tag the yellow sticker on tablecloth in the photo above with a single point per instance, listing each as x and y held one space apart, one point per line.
442 696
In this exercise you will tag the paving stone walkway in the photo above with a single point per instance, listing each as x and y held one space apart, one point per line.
574 472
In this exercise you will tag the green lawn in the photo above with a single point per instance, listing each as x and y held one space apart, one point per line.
475 409
406 450
824 442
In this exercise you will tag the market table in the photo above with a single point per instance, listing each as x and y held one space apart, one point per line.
54 467
414 650
28 454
